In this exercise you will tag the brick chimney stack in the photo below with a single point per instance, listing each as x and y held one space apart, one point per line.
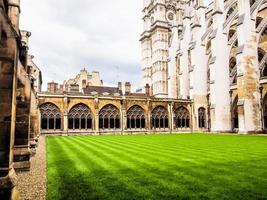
147 89
120 87
127 88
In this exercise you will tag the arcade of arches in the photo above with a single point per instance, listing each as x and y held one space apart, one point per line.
99 115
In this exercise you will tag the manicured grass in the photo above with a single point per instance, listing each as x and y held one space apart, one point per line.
186 166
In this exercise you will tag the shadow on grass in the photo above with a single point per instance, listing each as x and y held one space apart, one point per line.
66 180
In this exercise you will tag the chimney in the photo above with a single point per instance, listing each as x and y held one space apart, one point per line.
52 87
147 89
120 87
127 88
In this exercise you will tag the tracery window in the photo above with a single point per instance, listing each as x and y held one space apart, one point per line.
80 117
182 117
160 118
109 117
50 117
202 117
136 117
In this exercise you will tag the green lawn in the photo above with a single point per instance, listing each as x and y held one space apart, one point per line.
186 166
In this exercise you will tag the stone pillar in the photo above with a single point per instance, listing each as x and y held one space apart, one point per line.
247 71
148 121
34 122
96 119
170 109
173 66
65 115
184 62
198 78
22 130
219 49
8 71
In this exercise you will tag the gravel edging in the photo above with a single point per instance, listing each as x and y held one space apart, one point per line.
32 184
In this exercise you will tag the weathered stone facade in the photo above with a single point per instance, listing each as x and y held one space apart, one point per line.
19 84
214 55
105 110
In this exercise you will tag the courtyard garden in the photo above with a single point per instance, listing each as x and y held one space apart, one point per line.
182 166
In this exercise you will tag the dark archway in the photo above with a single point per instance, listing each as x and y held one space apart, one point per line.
182 118
80 117
50 117
202 118
109 117
136 117
235 122
160 118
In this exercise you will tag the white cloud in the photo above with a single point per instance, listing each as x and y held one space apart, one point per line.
69 35
75 34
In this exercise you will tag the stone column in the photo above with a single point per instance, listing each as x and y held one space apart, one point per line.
96 118
8 79
220 78
170 108
184 68
198 79
247 72
65 115
22 130
34 122
148 121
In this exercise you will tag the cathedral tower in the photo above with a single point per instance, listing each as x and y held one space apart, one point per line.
159 17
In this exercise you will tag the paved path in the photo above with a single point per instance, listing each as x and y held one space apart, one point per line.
32 184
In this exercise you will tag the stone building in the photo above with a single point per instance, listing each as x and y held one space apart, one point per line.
214 55
20 80
107 110
77 84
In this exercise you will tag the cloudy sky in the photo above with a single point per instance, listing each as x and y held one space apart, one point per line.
69 35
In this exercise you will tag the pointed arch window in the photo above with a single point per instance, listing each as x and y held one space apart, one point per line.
109 117
160 118
182 118
136 118
50 117
80 118
202 117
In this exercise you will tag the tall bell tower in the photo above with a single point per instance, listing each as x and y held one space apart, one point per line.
159 17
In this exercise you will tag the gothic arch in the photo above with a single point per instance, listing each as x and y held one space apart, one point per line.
182 118
51 117
136 117
202 117
80 117
109 117
235 122
160 118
